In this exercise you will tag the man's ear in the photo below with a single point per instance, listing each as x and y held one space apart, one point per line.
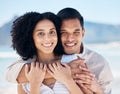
83 32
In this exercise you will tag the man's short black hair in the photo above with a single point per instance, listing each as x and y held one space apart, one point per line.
71 13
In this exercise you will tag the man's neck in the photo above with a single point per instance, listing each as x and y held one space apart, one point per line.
81 48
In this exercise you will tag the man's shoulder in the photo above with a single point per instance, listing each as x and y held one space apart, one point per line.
17 62
94 56
20 61
93 53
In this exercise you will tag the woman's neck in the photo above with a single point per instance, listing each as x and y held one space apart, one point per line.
46 58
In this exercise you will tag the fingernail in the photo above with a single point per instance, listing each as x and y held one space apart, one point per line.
76 74
79 66
75 80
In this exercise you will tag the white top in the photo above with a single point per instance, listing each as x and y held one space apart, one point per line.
95 62
58 88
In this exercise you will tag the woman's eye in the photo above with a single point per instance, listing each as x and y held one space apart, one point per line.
41 33
52 32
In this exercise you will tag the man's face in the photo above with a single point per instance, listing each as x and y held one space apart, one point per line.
71 35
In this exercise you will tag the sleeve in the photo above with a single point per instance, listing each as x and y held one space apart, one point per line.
100 67
13 71
106 79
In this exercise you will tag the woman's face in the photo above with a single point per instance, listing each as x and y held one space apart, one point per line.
45 36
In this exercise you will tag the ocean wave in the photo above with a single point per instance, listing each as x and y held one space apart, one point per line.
106 45
8 55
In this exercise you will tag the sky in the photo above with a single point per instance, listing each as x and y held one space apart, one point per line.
102 11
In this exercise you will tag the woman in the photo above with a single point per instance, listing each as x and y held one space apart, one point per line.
36 36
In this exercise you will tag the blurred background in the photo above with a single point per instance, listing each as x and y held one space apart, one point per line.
102 24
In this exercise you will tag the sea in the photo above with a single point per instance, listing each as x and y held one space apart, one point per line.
111 51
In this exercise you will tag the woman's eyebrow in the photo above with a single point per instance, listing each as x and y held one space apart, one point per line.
53 28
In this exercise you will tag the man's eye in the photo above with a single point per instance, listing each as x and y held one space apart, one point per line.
63 33
76 33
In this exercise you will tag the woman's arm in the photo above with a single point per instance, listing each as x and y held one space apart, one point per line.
20 89
62 73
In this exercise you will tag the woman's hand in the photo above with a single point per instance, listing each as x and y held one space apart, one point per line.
61 72
36 73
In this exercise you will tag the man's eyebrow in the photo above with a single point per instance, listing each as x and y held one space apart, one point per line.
79 29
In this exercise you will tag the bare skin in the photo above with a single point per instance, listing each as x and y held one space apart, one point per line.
20 89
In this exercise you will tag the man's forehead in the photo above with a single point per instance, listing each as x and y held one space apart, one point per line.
70 23
71 26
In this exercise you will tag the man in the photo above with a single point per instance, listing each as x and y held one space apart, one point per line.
72 34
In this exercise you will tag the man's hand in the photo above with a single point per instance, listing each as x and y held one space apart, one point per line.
84 78
78 74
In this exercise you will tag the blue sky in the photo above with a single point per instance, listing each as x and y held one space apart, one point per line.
103 11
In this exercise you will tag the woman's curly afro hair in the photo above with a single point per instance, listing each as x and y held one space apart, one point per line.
22 33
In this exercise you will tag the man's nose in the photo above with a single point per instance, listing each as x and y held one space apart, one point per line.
70 37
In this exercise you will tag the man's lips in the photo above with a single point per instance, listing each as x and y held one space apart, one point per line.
70 44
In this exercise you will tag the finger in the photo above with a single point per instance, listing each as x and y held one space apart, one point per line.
45 67
83 82
84 69
86 90
77 61
78 57
51 68
65 65
88 87
58 64
83 86
50 72
84 76
33 64
54 65
76 70
26 69
89 74
37 65
86 79
86 65
41 65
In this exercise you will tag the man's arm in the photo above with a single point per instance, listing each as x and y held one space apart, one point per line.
105 79
21 78
13 71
